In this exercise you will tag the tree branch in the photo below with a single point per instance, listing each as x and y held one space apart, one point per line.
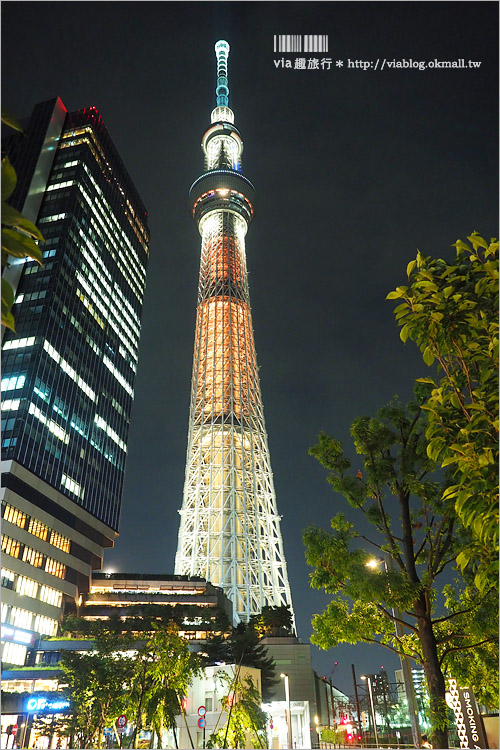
391 648
463 648
452 615
396 619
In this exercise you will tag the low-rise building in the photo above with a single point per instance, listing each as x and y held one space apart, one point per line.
198 607
314 701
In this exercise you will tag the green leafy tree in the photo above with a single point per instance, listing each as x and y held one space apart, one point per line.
97 684
450 310
18 234
478 667
164 670
243 647
246 722
417 531
275 621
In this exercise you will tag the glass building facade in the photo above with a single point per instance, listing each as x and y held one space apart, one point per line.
68 371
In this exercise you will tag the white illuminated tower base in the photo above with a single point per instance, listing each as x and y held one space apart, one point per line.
230 528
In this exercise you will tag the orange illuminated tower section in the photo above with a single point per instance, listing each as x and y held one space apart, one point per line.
230 528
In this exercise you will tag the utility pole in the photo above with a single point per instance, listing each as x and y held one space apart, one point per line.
356 698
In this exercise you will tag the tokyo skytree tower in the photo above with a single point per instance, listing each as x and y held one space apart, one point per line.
230 529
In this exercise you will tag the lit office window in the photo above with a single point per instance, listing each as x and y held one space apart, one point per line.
7 578
13 515
60 541
10 546
26 587
18 343
72 486
45 625
21 618
39 529
14 653
13 382
50 596
33 557
55 568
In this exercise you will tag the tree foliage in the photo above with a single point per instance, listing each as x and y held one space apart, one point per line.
19 235
450 310
394 604
97 685
247 651
163 672
274 621
243 648
246 722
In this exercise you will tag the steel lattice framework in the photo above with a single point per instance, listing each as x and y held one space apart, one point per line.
230 529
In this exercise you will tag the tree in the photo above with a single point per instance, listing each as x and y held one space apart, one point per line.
417 531
450 310
96 684
18 234
246 722
243 648
247 651
479 668
164 671
275 621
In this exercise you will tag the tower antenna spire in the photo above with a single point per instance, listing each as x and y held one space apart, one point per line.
222 89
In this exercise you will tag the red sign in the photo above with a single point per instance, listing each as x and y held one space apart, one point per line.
202 722
121 721
202 711
14 728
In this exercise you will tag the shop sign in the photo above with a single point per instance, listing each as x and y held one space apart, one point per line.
47 705
468 720
16 635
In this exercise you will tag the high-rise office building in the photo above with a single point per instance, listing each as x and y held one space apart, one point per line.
230 529
69 370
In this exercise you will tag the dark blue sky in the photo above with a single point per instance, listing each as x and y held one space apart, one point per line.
354 171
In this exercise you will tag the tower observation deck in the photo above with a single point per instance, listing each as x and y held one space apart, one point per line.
230 528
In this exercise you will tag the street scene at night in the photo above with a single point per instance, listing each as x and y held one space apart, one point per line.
249 375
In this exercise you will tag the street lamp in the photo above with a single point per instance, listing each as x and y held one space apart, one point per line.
373 563
368 679
316 721
288 713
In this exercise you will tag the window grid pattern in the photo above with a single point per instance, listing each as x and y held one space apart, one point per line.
32 556
78 324
13 515
35 527
29 587
13 653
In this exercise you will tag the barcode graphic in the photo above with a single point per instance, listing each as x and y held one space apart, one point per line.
294 42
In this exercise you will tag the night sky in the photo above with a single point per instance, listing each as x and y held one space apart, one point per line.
355 170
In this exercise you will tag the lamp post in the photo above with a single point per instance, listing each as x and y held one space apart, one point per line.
368 679
405 664
288 713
